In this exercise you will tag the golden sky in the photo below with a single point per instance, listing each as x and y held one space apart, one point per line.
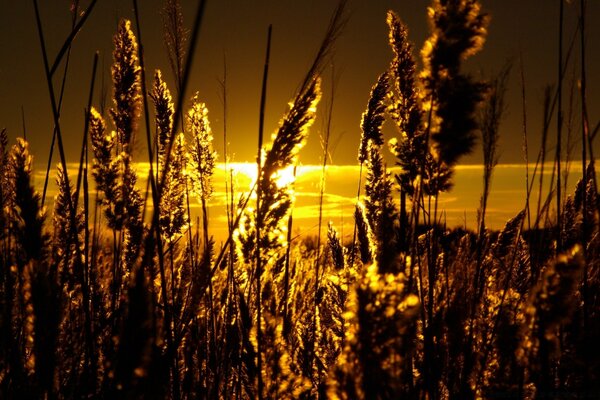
234 32
458 207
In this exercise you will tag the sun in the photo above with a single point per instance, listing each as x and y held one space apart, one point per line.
285 176
246 173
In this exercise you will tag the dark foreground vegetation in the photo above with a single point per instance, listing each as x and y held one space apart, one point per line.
118 293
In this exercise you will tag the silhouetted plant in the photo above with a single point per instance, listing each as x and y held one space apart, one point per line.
459 29
173 215
428 312
379 327
405 108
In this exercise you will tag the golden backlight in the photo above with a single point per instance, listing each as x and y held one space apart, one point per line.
339 196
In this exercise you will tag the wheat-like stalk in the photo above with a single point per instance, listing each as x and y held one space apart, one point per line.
276 201
459 30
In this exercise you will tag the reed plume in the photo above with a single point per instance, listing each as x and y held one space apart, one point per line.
364 234
459 30
381 210
28 214
380 328
164 110
405 108
335 247
283 152
203 157
105 169
379 205
550 305
175 35
125 115
490 117
41 293
64 251
172 214
373 118
126 86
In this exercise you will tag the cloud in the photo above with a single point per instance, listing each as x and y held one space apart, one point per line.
460 205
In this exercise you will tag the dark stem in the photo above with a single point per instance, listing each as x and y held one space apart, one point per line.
559 123
261 125
156 194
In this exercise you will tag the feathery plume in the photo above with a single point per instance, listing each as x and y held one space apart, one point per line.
126 75
126 81
373 118
459 29
335 246
203 157
105 170
61 221
164 110
172 213
366 243
276 201
380 209
551 303
29 217
404 109
175 37
380 327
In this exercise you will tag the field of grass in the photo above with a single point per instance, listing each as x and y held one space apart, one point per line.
121 291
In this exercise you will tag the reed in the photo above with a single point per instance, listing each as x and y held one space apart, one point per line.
116 305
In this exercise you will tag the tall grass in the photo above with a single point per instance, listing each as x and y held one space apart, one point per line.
117 306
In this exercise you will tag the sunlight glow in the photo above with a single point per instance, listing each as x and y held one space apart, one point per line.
284 177
340 193
246 173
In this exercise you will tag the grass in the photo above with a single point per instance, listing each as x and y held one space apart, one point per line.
97 301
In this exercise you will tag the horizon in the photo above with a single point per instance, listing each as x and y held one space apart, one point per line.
459 205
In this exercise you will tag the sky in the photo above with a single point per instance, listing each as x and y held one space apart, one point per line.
234 33
459 205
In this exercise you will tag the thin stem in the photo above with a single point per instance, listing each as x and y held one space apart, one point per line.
286 273
66 47
261 125
355 230
525 150
559 123
322 189
171 351
56 115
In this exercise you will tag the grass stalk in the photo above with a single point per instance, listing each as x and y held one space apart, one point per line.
56 114
559 123
325 155
286 274
87 290
156 193
261 126
524 140
584 142
69 40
